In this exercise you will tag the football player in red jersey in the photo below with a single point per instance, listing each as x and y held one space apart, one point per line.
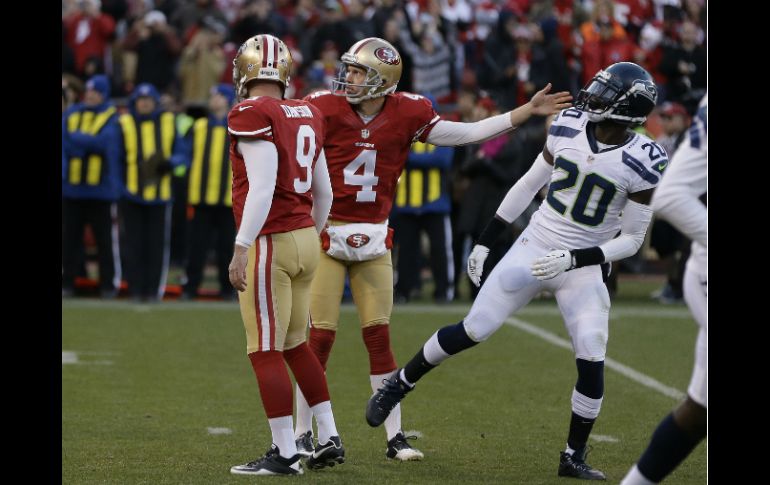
281 199
369 129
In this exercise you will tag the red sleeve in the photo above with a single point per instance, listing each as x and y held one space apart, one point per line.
420 110
248 120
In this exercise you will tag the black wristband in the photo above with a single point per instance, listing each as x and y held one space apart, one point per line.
587 256
491 232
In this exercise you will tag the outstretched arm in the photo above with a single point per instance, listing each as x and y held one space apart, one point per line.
451 133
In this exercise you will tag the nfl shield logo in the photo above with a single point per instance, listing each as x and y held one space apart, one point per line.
364 134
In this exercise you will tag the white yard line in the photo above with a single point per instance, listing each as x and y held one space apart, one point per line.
604 437
534 310
673 311
622 369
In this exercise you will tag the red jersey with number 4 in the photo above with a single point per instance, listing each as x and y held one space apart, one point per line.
297 130
365 160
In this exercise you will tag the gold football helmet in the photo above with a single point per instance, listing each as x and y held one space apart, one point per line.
382 64
262 57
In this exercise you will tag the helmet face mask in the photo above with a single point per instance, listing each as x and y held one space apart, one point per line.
379 60
262 57
624 93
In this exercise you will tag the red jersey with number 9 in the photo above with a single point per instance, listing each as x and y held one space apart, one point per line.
297 130
365 160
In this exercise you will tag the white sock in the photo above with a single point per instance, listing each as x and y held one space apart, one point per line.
569 450
393 422
433 351
635 477
283 435
304 416
324 418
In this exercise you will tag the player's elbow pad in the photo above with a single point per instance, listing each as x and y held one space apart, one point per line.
633 228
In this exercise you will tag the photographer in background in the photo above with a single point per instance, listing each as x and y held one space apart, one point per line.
157 48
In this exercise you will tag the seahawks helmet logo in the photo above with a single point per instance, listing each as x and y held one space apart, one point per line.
646 89
388 56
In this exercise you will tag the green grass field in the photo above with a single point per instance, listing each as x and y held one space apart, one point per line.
142 385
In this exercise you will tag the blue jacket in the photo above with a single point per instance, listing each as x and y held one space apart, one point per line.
82 148
433 164
176 159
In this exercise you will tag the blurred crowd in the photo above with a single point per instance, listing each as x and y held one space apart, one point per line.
473 57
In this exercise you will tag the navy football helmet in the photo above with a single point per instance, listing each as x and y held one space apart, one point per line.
624 93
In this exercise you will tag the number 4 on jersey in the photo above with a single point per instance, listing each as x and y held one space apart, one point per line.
367 180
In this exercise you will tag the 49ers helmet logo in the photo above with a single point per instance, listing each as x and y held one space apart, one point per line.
357 240
388 56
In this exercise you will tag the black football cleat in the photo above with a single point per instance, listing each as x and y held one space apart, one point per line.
270 464
328 454
385 399
575 466
400 449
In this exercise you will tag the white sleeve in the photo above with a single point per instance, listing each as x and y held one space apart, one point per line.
633 227
452 133
676 198
521 194
322 192
261 159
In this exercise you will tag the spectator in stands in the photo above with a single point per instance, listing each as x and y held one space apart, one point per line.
188 17
257 16
431 58
491 175
497 73
149 140
91 185
605 41
684 64
422 205
202 62
207 152
89 32
157 48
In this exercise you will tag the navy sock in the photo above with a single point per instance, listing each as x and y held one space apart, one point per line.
669 445
579 429
417 367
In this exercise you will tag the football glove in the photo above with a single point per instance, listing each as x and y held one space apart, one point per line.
476 263
552 264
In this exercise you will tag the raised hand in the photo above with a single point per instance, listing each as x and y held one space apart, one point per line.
545 104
